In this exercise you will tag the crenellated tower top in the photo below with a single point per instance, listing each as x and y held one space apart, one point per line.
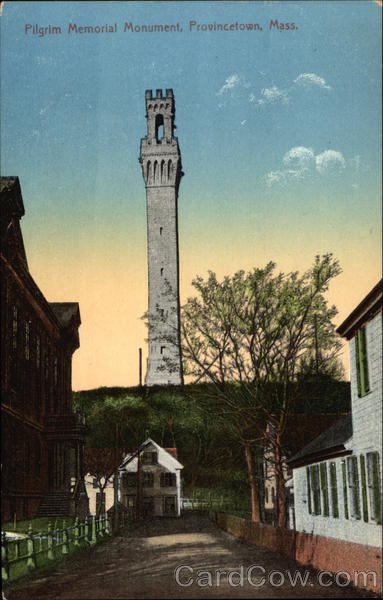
160 156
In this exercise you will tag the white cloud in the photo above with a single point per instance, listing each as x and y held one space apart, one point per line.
299 156
229 84
273 94
311 79
300 162
330 160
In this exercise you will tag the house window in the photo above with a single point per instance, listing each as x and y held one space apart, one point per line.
308 490
353 485
314 477
131 479
168 480
273 495
364 488
344 481
334 490
149 458
94 483
131 501
374 486
324 488
361 362
147 479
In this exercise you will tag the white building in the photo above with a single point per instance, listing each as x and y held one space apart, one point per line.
154 481
338 476
159 474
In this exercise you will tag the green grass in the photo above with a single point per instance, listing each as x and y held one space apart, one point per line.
39 524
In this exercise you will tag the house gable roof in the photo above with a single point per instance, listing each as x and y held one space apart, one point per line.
163 454
328 444
366 309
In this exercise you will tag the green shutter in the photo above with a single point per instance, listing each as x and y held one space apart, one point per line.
308 489
361 362
356 486
316 491
357 361
377 491
344 489
334 490
323 485
364 488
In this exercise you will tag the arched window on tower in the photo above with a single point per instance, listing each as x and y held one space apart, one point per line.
159 127
170 169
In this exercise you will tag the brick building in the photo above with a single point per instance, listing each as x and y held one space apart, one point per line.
42 438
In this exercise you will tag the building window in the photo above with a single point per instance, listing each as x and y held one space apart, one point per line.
147 479
273 495
364 488
374 486
161 230
334 490
94 483
55 371
131 479
361 362
162 349
162 271
26 340
38 352
324 488
170 505
344 481
168 480
353 485
314 477
149 458
14 328
308 490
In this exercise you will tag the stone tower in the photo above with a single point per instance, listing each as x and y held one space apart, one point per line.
160 159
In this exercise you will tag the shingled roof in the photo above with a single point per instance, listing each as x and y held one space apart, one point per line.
328 444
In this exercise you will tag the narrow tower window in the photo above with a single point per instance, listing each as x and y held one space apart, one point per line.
161 230
159 127
162 271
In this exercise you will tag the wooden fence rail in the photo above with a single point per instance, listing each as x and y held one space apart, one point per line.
31 551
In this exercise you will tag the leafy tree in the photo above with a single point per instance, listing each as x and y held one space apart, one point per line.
266 333
102 464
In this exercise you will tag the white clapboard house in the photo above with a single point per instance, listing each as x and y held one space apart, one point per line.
159 488
338 476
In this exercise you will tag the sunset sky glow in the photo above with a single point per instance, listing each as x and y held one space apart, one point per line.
280 136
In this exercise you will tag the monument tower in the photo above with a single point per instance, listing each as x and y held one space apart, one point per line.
160 159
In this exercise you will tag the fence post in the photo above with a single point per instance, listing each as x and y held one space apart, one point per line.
76 533
50 554
4 558
31 561
86 530
100 532
93 539
65 548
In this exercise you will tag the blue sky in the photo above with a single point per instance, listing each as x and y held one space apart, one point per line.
279 133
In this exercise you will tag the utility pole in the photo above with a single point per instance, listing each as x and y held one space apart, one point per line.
138 498
140 366
115 482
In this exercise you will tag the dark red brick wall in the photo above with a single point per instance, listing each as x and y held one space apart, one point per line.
315 551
